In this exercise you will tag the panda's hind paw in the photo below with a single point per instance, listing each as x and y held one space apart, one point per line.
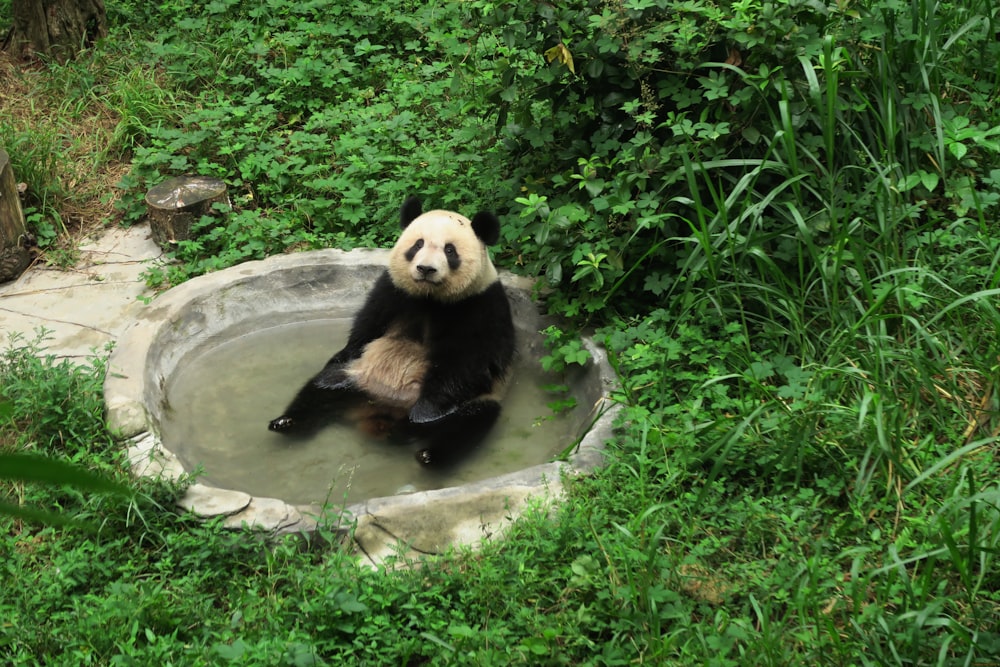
281 424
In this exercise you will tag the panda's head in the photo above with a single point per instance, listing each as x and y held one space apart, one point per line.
442 255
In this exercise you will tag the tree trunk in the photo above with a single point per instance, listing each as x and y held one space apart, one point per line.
57 28
14 256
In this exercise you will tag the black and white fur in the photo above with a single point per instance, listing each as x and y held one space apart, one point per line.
430 350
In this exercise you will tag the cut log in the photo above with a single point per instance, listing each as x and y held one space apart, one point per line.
14 255
178 203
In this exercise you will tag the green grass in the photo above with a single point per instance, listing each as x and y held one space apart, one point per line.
793 260
69 130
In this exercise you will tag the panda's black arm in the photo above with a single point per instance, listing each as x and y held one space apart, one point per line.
385 302
471 348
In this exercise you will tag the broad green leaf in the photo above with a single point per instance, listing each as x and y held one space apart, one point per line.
929 179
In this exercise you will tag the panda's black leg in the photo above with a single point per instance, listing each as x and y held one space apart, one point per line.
457 433
316 403
306 413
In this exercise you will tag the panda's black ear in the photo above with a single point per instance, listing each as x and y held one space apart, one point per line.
411 211
487 227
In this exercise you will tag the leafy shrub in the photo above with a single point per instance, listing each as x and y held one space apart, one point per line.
56 405
321 117
52 433
673 144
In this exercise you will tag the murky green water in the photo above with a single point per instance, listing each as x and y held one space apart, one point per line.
221 401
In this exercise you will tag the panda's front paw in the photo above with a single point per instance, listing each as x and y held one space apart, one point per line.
425 457
281 424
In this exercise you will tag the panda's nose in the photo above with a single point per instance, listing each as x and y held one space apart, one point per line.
426 270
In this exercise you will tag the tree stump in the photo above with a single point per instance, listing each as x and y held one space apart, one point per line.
178 203
14 255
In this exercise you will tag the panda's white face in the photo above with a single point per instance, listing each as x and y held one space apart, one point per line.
439 256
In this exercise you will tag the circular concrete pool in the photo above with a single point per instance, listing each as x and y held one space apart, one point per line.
192 384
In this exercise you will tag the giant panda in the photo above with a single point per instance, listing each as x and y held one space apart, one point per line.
430 350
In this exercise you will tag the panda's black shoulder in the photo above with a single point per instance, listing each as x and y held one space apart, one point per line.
490 304
388 296
386 303
480 322
495 298
496 310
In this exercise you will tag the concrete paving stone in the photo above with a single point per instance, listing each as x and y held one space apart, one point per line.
88 306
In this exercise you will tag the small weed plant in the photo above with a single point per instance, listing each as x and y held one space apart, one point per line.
779 218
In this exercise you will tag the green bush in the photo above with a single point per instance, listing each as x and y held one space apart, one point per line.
781 179
322 118
55 405
685 144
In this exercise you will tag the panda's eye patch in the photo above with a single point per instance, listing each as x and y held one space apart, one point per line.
411 253
451 254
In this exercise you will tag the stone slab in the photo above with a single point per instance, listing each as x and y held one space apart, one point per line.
208 501
430 522
88 306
